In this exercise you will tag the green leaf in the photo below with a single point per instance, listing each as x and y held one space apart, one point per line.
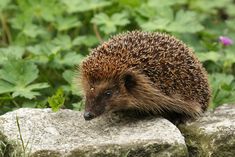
213 56
11 52
109 24
159 24
100 18
120 19
67 23
160 3
70 77
16 76
223 91
132 3
19 72
230 10
163 19
231 24
19 21
4 4
6 87
185 22
226 87
218 79
87 5
40 9
146 11
208 6
88 40
33 31
28 92
37 86
57 100
24 92
69 59
43 53
157 19
46 49
63 41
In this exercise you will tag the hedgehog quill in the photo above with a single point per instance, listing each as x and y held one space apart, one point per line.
153 73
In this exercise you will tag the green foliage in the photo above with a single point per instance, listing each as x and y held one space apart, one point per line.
223 88
82 6
109 24
16 77
57 100
163 19
42 41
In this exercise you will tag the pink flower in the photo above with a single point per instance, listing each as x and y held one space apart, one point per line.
225 41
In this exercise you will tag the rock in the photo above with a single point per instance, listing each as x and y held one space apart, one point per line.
213 135
67 134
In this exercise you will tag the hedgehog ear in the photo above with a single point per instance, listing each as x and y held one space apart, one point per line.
130 80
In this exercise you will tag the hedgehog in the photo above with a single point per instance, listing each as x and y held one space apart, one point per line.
152 73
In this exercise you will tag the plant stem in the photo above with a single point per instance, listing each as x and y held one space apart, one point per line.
19 130
16 104
95 28
13 101
6 30
216 94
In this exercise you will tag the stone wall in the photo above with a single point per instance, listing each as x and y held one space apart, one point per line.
66 134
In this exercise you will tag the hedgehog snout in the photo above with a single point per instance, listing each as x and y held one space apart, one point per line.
88 115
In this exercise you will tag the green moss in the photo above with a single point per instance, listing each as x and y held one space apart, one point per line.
46 153
158 151
196 142
133 150
215 144
224 145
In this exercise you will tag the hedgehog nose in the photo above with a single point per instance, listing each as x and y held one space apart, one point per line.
88 116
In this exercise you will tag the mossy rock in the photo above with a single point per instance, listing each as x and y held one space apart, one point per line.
213 135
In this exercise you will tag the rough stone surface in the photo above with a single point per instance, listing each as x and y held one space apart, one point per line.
213 135
67 134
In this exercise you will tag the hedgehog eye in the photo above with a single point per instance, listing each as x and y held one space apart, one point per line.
108 93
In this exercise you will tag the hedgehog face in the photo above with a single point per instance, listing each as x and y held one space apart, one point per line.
98 97
108 95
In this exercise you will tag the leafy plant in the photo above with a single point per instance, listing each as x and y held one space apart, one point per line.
109 24
57 100
42 41
17 77
81 6
223 88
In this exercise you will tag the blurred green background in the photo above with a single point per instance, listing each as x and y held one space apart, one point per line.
41 42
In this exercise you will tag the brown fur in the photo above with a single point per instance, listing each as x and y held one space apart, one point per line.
150 72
